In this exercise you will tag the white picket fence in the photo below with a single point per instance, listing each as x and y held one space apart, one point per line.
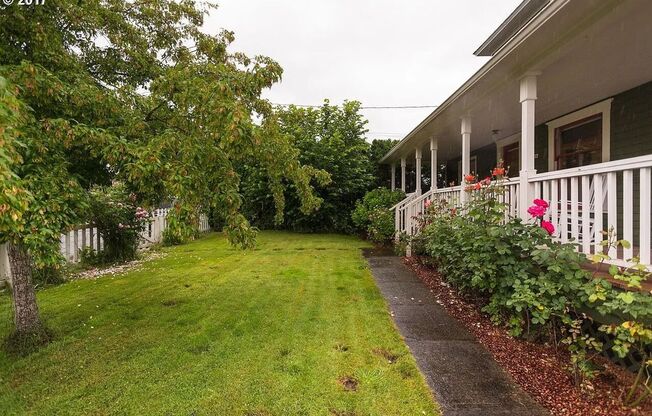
80 238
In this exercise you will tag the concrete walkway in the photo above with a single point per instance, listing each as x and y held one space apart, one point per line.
462 374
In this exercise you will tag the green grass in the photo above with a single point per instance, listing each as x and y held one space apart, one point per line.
213 330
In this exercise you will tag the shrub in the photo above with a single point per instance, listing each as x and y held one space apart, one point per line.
372 215
534 285
114 212
182 225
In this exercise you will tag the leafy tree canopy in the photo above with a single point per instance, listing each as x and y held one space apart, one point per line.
93 91
330 138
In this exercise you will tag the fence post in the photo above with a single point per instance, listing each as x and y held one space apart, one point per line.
5 271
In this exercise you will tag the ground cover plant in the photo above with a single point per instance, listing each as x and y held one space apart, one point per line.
296 326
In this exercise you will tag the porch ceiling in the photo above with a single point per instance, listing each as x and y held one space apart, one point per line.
585 51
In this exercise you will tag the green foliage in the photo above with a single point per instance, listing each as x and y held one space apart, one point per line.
331 139
377 149
119 220
531 284
157 104
372 215
308 299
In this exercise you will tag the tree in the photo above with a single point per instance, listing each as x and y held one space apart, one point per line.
378 149
133 91
330 138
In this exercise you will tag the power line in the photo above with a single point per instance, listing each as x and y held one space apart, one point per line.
371 107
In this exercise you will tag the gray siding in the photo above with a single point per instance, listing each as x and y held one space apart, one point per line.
631 123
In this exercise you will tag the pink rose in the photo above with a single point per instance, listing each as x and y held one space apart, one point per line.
427 203
536 211
540 203
547 225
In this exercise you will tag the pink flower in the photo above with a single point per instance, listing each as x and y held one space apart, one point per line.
547 225
536 211
486 181
427 203
540 203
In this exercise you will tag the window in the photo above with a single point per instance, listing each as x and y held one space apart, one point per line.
579 143
580 138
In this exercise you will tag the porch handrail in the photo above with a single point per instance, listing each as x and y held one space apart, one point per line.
408 198
604 167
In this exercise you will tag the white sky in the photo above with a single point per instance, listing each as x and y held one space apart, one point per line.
379 52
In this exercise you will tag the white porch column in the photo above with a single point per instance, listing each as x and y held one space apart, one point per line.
433 163
403 165
528 97
393 186
417 176
466 152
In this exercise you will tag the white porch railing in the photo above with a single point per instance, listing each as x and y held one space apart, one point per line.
589 200
74 241
584 203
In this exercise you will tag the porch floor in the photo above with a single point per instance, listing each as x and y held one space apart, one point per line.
463 375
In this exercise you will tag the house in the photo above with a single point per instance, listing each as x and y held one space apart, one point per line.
565 100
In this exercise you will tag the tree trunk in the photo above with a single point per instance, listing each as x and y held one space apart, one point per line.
26 316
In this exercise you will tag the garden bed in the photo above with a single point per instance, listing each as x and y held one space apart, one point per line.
539 369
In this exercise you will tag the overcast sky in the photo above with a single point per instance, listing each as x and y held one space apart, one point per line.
379 52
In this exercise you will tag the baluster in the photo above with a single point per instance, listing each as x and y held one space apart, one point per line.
598 191
645 214
586 214
563 217
574 209
628 213
554 205
612 208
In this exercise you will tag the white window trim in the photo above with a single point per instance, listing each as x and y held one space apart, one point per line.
514 138
603 108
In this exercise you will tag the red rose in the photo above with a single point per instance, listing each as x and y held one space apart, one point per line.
540 203
547 225
499 171
536 211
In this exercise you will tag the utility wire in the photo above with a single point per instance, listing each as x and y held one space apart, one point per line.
371 107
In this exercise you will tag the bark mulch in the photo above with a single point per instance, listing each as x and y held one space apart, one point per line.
539 369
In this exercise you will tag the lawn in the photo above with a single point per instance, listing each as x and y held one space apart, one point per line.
295 327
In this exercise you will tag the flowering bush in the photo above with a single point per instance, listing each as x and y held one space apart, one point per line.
119 221
372 215
532 284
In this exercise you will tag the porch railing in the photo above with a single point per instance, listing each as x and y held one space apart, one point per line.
585 202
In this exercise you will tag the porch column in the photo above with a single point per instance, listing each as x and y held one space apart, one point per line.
466 153
528 97
417 176
393 185
403 165
433 163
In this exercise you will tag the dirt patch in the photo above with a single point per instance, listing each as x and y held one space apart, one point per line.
258 412
349 383
170 302
336 412
339 347
390 357
378 251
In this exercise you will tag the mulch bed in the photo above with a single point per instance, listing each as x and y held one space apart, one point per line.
539 369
